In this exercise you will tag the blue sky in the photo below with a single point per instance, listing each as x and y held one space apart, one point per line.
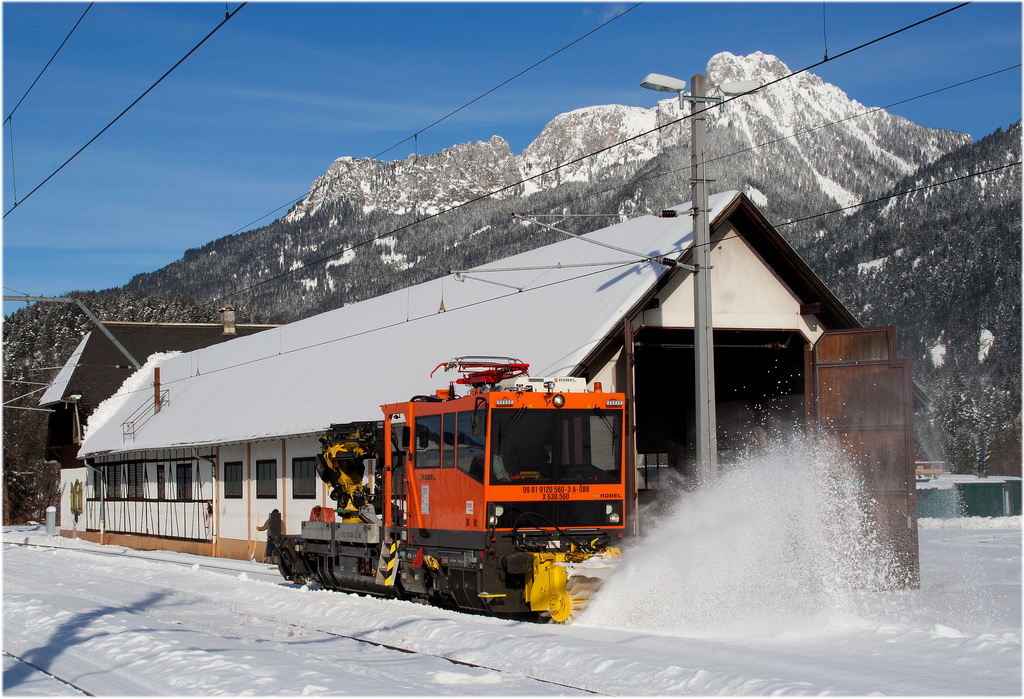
282 89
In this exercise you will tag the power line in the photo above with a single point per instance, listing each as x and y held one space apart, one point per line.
613 265
416 135
386 326
506 82
605 268
48 63
555 168
875 201
900 194
756 146
125 111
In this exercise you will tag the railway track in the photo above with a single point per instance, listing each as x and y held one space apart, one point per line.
49 674
245 567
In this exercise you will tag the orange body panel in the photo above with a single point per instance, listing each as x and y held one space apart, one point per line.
442 496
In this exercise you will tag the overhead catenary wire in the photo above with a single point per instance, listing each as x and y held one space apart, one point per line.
413 319
756 146
605 267
900 194
386 326
825 213
126 109
507 81
887 197
555 168
517 290
415 136
15 108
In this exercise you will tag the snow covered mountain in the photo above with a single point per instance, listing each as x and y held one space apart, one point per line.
942 262
860 151
797 147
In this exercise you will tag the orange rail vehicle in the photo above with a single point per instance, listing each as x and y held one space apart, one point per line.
508 500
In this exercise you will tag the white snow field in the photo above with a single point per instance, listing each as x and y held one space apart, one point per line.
767 582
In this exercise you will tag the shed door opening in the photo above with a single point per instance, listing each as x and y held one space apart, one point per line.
759 392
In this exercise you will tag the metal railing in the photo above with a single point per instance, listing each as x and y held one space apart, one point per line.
145 412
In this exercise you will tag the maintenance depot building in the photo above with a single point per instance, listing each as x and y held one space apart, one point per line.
198 447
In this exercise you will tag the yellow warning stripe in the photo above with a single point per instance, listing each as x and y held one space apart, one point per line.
387 563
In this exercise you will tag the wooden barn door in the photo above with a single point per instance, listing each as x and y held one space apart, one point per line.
861 395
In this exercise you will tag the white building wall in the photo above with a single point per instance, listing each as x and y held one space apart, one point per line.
605 375
295 510
262 505
67 477
233 513
239 517
138 503
745 294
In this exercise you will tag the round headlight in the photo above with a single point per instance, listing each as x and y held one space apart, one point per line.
614 518
558 401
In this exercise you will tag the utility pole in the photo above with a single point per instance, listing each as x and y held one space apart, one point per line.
703 340
706 441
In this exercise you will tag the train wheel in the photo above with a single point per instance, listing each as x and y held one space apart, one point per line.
284 564
574 599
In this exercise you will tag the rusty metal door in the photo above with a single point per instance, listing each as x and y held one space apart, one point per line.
861 395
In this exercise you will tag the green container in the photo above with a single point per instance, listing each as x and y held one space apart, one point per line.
1012 490
937 502
982 498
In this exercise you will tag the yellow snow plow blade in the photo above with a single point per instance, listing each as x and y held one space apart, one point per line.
559 590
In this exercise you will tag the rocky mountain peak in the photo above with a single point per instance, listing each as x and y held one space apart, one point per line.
419 184
762 67
798 146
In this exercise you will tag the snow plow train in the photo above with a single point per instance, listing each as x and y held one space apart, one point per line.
508 500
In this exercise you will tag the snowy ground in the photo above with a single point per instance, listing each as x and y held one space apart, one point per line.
768 580
113 624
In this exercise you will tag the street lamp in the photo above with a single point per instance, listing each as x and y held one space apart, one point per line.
703 341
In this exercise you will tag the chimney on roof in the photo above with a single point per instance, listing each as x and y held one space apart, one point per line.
227 318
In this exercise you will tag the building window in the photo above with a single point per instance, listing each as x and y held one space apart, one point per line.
136 481
113 476
184 481
161 482
266 479
233 479
304 478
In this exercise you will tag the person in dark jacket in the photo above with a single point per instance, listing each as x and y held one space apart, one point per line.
273 528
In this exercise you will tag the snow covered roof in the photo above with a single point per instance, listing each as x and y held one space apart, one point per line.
343 364
947 481
97 368
58 388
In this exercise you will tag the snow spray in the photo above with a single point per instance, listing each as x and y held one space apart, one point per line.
778 541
